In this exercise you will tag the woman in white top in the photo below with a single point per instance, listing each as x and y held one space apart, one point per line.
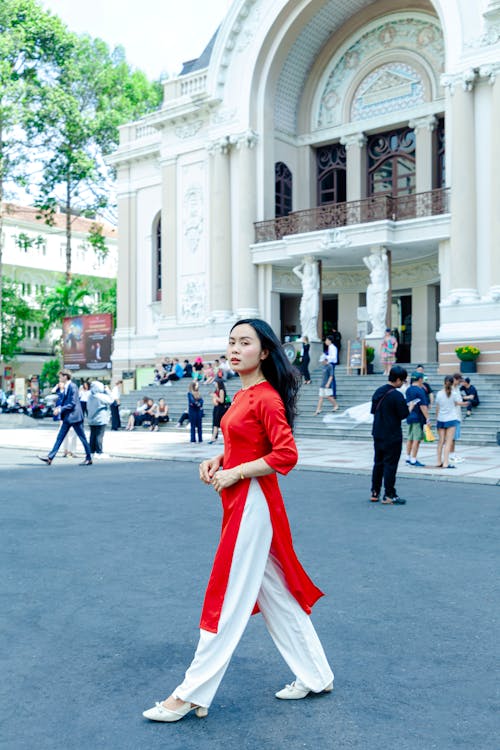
446 421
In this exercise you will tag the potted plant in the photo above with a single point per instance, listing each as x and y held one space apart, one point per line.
370 356
467 355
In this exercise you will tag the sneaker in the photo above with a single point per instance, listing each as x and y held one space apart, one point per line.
456 460
417 463
408 461
393 500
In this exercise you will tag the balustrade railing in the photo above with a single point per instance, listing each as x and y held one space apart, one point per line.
376 208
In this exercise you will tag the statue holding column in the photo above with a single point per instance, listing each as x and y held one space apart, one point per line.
376 293
308 273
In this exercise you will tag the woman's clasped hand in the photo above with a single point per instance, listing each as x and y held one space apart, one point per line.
220 479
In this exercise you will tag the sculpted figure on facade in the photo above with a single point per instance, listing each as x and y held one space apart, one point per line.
376 293
308 273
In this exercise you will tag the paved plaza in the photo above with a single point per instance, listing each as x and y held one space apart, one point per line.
104 570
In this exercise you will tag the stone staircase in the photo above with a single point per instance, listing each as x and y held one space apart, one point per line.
480 429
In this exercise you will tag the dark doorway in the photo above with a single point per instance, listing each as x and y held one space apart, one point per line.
402 328
330 314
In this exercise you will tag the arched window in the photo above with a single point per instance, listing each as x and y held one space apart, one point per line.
331 174
391 163
282 190
157 261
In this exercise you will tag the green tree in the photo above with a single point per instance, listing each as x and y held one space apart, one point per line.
31 39
15 313
64 301
50 373
94 91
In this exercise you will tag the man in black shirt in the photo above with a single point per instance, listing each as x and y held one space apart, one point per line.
389 408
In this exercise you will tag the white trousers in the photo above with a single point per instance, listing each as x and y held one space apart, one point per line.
256 576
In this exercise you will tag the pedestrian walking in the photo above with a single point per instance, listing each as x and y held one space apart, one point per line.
83 395
448 401
115 406
72 417
333 357
305 358
418 417
247 575
325 389
389 408
195 411
98 413
219 404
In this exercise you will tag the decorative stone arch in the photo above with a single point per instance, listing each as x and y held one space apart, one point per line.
415 39
156 258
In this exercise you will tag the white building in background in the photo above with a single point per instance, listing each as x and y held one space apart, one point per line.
325 128
34 257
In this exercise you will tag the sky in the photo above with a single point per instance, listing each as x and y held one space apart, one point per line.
157 35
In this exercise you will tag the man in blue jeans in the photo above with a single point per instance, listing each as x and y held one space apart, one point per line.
389 408
71 414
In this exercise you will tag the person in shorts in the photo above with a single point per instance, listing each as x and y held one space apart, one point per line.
326 390
417 417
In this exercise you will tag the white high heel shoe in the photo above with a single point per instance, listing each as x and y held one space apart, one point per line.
160 713
295 692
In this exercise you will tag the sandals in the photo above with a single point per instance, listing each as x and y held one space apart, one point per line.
393 500
375 497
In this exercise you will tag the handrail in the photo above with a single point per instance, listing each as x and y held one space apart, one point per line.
375 208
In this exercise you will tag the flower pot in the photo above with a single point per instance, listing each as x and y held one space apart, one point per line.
468 366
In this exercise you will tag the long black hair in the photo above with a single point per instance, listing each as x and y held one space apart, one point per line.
276 368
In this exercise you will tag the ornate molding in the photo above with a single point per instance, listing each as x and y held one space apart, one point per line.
189 129
192 299
224 115
419 35
193 217
334 239
238 38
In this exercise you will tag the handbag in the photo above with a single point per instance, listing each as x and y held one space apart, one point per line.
429 436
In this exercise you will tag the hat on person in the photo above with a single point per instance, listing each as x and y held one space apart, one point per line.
387 330
417 375
323 358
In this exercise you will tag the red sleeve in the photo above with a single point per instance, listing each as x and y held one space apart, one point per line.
283 455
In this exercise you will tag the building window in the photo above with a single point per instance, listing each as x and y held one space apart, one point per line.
391 163
331 174
440 160
157 261
283 183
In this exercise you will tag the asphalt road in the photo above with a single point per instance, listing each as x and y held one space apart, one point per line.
103 575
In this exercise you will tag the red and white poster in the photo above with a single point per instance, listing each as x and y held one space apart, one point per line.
87 342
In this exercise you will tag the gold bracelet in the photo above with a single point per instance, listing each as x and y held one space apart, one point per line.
242 476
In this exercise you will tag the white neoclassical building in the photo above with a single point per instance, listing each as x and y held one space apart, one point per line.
329 129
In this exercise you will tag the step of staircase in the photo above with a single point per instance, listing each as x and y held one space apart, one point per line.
480 429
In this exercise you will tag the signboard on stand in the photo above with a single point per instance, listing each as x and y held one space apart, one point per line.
87 342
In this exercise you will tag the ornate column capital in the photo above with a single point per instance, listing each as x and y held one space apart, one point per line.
490 72
248 139
466 79
429 122
220 145
353 139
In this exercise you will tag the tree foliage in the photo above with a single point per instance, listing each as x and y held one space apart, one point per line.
93 92
31 41
50 373
65 301
15 313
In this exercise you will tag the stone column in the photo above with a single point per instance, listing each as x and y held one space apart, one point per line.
221 282
495 187
126 313
356 175
463 281
243 164
424 127
423 332
169 240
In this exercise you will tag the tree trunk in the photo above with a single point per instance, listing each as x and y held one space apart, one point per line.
1 233
68 231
